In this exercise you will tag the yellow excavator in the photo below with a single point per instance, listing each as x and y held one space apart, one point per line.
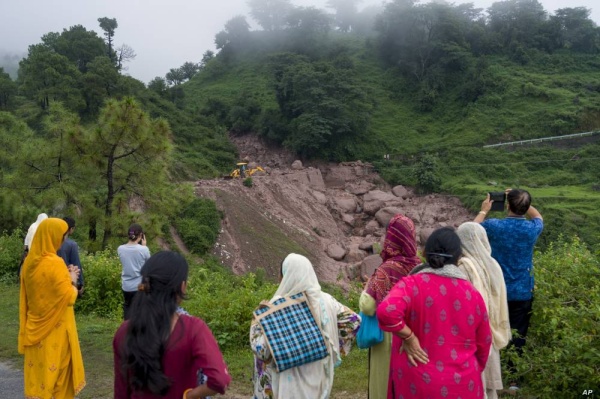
243 171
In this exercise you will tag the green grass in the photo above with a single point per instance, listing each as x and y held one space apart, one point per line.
95 337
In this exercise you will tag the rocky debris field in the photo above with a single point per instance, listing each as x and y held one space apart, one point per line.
333 213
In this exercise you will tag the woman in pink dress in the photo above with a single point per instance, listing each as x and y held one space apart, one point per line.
441 330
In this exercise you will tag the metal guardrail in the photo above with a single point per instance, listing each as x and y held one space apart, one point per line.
552 138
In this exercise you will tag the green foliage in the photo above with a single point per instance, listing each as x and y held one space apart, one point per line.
427 174
133 152
225 302
233 37
8 89
325 106
270 14
11 250
565 323
198 225
78 44
48 76
103 295
247 182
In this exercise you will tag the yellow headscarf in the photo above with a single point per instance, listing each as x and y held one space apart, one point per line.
46 288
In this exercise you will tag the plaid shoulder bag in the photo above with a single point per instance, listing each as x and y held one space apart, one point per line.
291 331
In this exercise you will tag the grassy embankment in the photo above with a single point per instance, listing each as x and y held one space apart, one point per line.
552 95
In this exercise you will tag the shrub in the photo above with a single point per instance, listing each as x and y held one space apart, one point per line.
198 238
562 351
102 278
198 225
11 249
427 174
225 301
247 182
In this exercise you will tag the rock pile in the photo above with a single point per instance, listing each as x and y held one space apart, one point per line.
337 212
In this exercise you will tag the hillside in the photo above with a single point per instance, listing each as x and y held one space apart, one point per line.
331 212
552 95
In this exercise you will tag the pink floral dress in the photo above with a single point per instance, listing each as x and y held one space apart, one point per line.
449 317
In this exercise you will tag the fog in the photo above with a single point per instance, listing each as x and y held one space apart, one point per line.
164 34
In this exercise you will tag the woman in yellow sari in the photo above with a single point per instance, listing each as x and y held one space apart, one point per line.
47 332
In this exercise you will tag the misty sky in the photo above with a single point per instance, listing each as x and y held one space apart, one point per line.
164 34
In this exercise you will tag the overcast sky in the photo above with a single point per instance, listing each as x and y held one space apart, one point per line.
163 33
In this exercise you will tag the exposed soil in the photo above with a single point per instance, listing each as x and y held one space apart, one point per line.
332 213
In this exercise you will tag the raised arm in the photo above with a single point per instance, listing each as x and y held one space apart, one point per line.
486 206
533 213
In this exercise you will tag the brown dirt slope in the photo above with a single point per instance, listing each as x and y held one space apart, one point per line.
332 213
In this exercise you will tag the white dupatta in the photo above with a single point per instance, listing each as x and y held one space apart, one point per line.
485 274
311 380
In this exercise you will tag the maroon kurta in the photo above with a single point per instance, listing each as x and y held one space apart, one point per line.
191 347
449 318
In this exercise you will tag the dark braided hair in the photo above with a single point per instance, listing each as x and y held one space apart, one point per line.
443 247
149 326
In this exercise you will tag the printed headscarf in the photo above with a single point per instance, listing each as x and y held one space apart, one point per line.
46 288
485 274
399 254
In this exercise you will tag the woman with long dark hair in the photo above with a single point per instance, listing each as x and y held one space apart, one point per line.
159 352
440 325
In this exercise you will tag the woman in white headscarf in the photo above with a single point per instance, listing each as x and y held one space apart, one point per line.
338 323
32 229
486 276
29 238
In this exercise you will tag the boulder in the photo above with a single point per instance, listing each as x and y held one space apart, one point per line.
371 227
355 255
315 178
378 195
425 233
320 197
384 215
336 251
347 204
360 188
297 165
348 219
367 245
401 191
370 264
371 207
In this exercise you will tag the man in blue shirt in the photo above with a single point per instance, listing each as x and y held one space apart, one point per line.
69 251
512 240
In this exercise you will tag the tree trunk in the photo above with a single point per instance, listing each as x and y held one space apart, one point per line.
92 233
110 196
